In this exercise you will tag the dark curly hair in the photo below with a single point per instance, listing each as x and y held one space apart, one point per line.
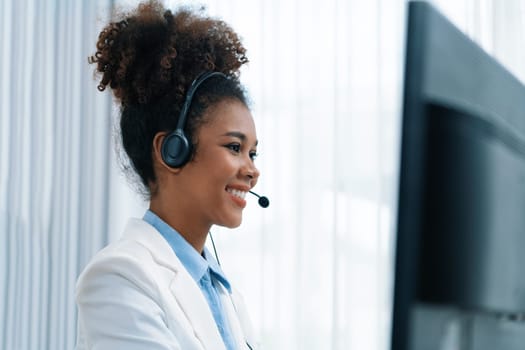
149 58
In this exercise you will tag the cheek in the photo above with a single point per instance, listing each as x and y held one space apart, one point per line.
217 177
224 167
216 169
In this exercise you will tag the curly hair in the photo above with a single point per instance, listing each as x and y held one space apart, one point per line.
149 57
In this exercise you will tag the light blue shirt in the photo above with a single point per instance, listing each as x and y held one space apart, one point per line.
203 269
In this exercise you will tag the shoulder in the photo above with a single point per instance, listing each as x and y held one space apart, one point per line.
140 258
121 295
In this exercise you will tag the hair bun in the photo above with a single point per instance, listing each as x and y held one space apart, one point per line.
151 52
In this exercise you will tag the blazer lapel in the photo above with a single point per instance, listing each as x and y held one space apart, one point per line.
239 316
183 288
233 320
192 302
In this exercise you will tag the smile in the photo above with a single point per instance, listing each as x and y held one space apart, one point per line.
237 193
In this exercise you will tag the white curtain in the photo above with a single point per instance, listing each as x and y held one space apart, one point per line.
326 83
54 167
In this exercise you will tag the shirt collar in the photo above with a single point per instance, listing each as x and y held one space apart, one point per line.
216 270
196 264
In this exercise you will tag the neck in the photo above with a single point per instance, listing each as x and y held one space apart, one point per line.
182 221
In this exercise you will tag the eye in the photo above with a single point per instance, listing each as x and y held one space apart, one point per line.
234 147
253 155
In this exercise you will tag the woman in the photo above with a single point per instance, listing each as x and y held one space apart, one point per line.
191 140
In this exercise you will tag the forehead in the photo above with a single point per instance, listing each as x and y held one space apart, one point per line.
227 116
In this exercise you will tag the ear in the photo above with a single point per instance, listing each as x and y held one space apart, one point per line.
157 155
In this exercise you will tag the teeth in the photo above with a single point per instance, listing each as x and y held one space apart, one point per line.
237 193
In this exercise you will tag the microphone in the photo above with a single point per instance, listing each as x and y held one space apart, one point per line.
263 201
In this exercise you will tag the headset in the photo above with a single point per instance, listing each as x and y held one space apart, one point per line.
176 147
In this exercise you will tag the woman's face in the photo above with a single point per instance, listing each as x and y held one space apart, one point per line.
215 182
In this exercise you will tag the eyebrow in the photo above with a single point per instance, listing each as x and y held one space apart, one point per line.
239 135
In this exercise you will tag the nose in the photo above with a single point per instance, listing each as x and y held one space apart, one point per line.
250 171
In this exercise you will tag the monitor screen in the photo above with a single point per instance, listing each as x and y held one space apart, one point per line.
461 212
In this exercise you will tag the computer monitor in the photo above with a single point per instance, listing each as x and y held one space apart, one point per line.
460 251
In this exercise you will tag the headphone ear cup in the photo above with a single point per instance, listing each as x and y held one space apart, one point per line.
175 150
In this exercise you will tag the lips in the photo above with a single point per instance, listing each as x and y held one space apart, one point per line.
237 195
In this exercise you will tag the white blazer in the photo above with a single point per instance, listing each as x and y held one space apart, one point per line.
136 294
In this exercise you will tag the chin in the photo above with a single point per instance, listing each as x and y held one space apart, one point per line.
231 223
